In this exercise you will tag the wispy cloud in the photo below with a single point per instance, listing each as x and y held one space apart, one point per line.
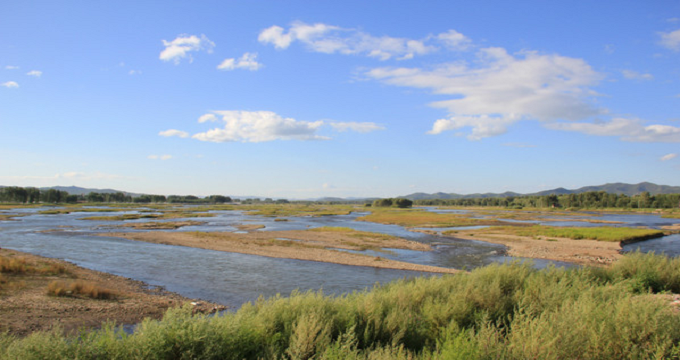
668 157
159 157
10 84
11 67
173 132
360 127
36 73
634 75
248 62
330 39
633 130
183 45
500 89
670 40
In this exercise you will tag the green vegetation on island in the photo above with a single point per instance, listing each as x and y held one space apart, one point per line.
603 233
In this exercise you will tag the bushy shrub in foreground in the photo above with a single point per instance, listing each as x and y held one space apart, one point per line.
501 311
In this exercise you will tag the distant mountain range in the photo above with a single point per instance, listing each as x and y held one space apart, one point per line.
614 188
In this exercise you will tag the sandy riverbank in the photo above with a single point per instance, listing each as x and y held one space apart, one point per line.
310 245
584 252
25 306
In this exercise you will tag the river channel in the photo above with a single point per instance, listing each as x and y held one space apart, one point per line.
233 279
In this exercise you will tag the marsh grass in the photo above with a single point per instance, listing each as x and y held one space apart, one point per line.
422 218
604 233
80 288
510 311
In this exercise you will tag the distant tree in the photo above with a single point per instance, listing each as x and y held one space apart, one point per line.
402 203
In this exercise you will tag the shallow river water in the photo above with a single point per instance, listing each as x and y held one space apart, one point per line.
232 279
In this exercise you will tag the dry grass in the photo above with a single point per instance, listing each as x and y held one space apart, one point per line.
80 288
19 265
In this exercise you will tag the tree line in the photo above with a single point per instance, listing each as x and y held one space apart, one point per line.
591 199
32 195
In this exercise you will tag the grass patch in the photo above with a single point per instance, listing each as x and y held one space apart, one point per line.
422 218
79 288
510 311
18 265
604 233
298 210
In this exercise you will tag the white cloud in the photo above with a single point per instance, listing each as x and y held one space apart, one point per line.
10 84
173 132
454 40
634 75
159 157
259 126
331 39
134 72
36 73
668 157
247 61
500 89
671 40
207 117
361 127
11 67
633 130
180 48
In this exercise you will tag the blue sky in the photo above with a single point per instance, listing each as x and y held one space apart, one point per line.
301 99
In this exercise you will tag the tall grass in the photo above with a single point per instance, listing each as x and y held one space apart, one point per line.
507 311
79 288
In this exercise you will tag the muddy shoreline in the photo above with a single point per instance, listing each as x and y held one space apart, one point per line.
25 306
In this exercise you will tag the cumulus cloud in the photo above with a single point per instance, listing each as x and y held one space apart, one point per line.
360 127
668 157
331 39
10 84
259 126
173 132
36 73
500 89
248 62
671 40
183 45
159 157
633 130
634 75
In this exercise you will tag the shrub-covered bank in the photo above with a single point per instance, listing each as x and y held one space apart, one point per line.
501 311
